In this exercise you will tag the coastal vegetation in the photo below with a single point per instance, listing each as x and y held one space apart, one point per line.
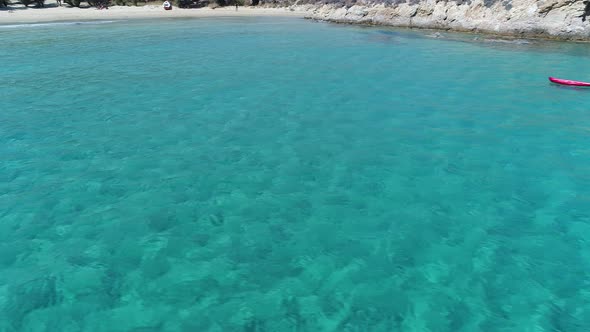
106 3
38 3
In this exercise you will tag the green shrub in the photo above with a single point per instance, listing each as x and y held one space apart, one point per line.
73 3
99 3
26 2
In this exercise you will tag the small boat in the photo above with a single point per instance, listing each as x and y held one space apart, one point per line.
568 82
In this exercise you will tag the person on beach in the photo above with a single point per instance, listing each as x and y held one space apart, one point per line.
167 5
236 6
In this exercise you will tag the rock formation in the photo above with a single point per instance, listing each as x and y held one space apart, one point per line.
561 19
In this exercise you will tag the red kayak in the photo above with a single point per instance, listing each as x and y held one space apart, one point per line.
568 82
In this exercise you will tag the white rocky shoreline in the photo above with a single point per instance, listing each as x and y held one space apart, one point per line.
553 19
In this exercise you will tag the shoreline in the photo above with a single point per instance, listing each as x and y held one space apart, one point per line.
457 18
72 14
481 33
513 19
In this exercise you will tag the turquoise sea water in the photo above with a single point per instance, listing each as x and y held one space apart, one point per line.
283 175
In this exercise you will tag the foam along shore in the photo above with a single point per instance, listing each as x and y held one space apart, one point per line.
64 13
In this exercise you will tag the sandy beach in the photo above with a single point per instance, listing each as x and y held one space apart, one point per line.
16 15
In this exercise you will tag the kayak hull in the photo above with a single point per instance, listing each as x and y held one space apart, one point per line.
568 82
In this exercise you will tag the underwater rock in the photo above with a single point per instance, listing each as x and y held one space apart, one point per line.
216 219
29 296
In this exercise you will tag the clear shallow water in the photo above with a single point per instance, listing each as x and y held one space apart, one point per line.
281 175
